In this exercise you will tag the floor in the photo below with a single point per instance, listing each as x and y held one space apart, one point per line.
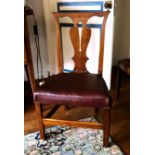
120 128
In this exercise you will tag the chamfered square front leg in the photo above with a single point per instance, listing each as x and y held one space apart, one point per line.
39 119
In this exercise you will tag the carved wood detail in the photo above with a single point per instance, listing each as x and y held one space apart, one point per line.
80 58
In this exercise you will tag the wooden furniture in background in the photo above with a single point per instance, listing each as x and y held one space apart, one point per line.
27 50
78 88
108 4
123 65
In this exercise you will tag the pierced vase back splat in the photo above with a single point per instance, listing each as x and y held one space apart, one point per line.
80 44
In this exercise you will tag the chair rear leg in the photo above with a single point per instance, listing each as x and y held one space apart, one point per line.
39 118
106 122
98 116
96 113
118 81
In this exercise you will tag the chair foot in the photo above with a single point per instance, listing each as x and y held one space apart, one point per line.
42 136
39 118
106 121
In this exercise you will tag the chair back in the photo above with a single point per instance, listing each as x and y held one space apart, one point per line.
80 44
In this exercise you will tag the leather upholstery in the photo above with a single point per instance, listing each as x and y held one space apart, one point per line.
79 89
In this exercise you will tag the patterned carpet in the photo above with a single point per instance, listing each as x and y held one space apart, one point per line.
69 141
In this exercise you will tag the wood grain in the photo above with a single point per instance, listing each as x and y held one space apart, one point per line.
80 57
73 123
106 121
59 48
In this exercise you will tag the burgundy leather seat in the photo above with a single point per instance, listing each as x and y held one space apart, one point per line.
80 89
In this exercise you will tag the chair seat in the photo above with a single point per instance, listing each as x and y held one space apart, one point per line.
79 89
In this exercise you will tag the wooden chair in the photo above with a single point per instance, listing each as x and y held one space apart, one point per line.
78 88
28 64
123 65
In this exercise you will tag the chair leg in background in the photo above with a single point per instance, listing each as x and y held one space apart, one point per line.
39 118
67 107
98 115
106 122
118 81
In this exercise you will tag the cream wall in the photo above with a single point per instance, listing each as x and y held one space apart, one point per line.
37 6
121 47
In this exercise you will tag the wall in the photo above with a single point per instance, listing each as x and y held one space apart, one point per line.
37 7
121 47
